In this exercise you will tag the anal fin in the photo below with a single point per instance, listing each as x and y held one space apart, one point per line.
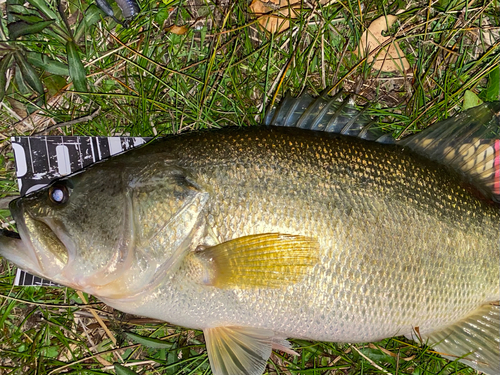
475 340
238 350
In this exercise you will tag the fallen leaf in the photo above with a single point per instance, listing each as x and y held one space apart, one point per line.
178 30
409 358
18 107
282 12
390 58
471 100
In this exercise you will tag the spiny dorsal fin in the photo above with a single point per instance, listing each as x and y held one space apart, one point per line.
469 143
326 114
475 340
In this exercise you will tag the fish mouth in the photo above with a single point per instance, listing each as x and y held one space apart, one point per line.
43 248
37 248
17 251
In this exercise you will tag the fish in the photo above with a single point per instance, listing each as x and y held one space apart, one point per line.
314 226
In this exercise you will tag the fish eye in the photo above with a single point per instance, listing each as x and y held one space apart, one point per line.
58 193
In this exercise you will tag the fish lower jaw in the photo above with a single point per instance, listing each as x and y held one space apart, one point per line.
114 290
68 278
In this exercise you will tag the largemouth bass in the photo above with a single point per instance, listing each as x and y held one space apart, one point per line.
256 235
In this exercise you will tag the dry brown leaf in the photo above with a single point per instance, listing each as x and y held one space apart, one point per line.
18 107
102 361
409 358
178 30
282 11
390 58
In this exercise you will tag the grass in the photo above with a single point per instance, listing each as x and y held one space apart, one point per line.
223 70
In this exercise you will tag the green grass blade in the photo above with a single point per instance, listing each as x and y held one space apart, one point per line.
122 370
49 65
21 28
29 18
492 91
43 6
29 74
149 341
76 68
4 65
92 15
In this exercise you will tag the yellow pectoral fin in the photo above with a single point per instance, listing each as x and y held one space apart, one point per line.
270 260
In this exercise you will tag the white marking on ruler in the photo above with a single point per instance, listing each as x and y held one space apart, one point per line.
47 154
63 162
138 141
91 140
115 145
20 156
35 188
98 148
18 277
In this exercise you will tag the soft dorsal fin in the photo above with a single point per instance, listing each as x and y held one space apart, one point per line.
469 143
326 114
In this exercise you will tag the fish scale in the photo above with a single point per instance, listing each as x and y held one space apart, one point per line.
355 237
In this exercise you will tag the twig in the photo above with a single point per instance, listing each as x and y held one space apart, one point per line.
130 364
99 320
56 305
59 369
371 361
69 123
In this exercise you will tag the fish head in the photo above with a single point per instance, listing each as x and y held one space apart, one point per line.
111 231
77 230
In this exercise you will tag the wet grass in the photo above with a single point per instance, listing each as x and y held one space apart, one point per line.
223 70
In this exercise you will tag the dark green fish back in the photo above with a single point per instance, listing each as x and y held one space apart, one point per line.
468 142
387 170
